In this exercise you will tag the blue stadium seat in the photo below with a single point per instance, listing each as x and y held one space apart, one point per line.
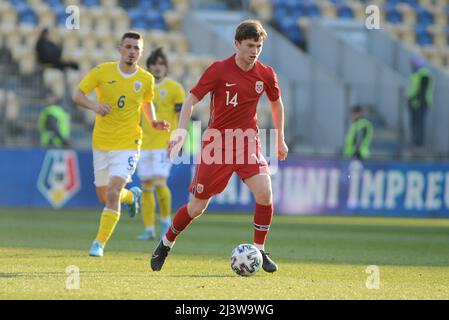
140 24
412 3
291 4
54 3
298 10
60 14
137 18
280 13
61 19
128 4
423 37
21 7
91 3
155 20
424 17
313 10
29 17
393 2
344 11
165 5
290 27
394 16
15 3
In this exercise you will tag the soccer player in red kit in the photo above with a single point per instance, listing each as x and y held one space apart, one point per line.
236 85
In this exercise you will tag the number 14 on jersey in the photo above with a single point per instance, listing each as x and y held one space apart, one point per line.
232 100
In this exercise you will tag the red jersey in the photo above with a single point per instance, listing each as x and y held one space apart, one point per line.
235 93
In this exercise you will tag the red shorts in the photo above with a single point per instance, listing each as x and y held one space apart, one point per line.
211 179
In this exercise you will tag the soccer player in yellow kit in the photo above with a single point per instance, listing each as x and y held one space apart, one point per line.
123 90
154 165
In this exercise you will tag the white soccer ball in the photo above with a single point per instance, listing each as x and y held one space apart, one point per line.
246 260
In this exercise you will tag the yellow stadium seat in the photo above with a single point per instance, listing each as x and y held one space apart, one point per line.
120 21
394 30
72 2
2 98
175 66
432 54
27 63
8 19
46 18
102 27
156 38
112 55
86 21
181 5
70 42
426 3
13 41
303 23
108 3
445 54
178 42
109 43
408 36
30 41
90 44
408 14
439 36
263 8
440 18
441 3
327 9
13 109
358 9
173 19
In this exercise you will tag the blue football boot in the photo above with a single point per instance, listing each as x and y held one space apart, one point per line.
96 250
134 208
147 235
165 225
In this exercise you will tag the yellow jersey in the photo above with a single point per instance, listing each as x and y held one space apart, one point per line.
125 94
168 98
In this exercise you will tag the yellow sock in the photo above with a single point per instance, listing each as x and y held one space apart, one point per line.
126 196
148 205
164 199
108 221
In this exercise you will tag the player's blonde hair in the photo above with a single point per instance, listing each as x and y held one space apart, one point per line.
250 29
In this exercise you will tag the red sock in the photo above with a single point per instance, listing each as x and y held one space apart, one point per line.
180 222
262 221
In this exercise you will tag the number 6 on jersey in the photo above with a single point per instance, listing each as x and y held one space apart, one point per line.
121 102
233 101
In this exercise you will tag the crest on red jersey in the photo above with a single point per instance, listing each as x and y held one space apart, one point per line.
199 188
259 87
137 85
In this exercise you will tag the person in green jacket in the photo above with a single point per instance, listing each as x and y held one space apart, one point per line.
419 99
54 125
358 137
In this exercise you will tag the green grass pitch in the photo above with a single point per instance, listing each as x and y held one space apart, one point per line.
319 258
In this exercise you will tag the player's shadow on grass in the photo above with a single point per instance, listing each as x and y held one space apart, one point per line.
10 275
198 276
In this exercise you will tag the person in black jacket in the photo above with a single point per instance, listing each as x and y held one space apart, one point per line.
49 53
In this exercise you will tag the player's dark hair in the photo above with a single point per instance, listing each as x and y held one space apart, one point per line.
357 109
250 29
132 35
155 55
